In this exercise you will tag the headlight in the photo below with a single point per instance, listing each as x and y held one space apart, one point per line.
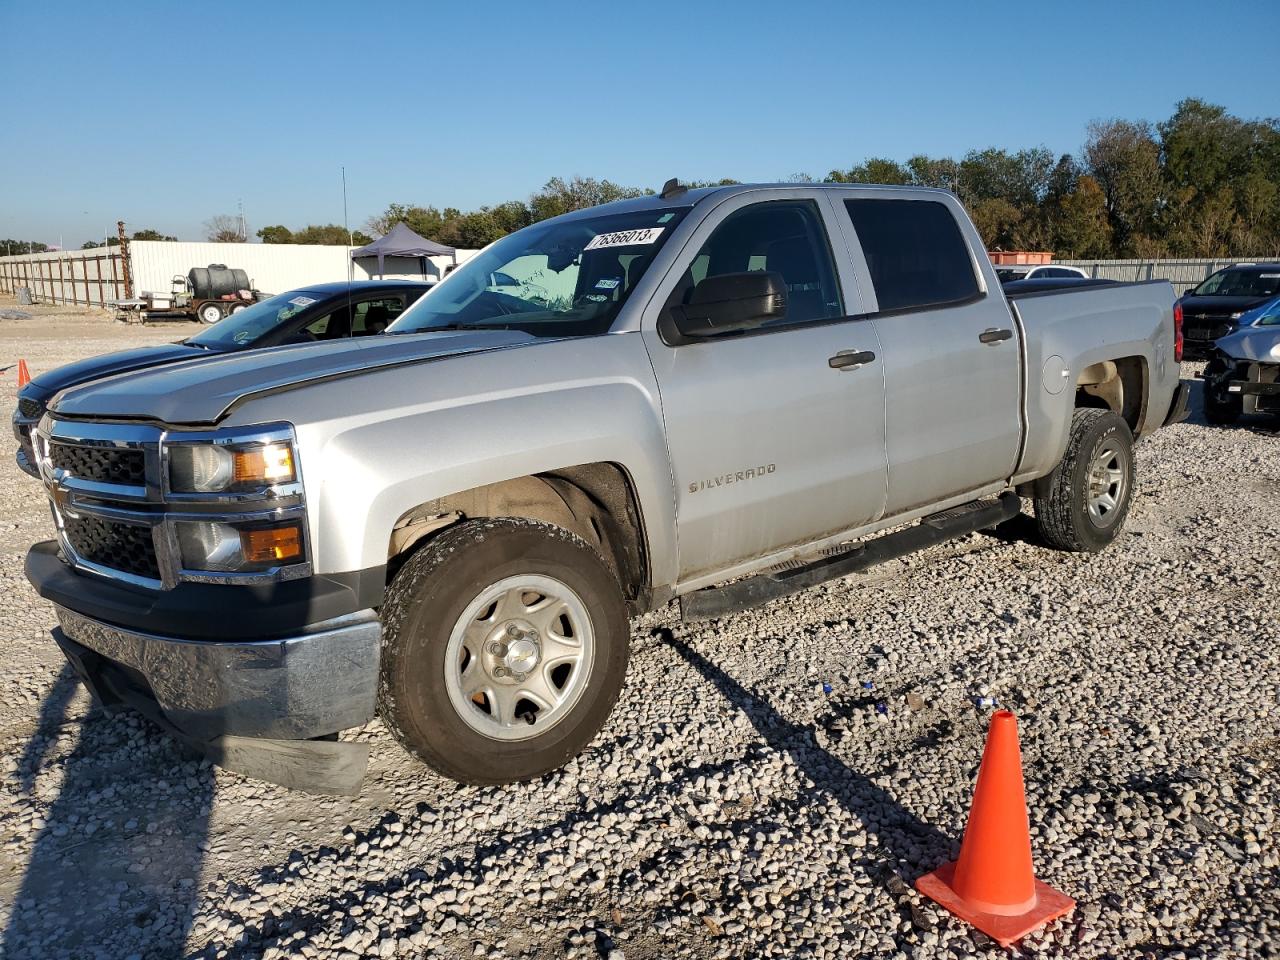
224 548
219 468
1238 315
1275 352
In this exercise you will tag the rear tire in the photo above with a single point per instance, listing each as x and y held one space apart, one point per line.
505 645
1092 488
1220 407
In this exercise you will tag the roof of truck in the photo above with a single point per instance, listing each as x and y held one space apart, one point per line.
688 198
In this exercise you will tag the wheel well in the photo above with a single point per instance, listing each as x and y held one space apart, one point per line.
594 500
1117 385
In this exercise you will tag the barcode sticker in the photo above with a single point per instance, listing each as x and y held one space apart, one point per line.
626 238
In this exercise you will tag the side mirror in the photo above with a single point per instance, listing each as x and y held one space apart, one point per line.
727 303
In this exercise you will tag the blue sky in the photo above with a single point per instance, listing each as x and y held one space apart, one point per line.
165 114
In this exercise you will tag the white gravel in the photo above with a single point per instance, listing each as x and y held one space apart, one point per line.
748 798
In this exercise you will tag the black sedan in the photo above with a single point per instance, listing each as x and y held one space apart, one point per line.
1212 310
323 311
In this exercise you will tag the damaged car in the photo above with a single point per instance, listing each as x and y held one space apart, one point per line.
1243 372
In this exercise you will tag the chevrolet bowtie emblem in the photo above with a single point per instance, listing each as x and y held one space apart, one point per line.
60 496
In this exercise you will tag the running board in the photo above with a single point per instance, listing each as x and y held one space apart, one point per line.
781 582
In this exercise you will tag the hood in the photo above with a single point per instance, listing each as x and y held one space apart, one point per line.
1219 306
1251 343
47 384
202 393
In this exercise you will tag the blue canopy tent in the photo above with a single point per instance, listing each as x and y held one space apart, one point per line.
400 241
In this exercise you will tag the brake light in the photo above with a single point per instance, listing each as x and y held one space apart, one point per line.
1177 332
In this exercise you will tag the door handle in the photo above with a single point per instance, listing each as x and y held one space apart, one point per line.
850 359
992 335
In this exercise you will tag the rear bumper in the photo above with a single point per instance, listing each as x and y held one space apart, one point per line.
1254 388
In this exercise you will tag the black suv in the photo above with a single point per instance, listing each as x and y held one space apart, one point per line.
1211 310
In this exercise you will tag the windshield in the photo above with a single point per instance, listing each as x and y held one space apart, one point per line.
242 328
1270 315
1241 282
554 279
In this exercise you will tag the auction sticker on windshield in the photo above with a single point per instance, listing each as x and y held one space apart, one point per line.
626 238
302 301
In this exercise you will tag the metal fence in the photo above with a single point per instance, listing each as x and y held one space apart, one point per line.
89 277
96 277
1183 274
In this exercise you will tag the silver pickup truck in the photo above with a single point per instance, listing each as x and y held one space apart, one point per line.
721 395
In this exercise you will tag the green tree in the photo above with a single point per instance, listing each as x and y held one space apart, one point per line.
873 170
1123 157
330 234
997 221
277 233
13 248
151 235
559 196
1083 228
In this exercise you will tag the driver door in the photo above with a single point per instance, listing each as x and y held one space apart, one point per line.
771 444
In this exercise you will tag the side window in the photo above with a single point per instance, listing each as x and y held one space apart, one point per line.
374 316
321 327
915 252
786 236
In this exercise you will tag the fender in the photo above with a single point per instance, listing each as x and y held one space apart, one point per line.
402 437
1134 320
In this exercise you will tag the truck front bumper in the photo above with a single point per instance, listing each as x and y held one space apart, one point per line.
256 706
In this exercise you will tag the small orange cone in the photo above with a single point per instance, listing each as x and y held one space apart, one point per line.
24 375
992 886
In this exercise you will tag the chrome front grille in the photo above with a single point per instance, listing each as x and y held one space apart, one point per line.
116 516
119 546
100 464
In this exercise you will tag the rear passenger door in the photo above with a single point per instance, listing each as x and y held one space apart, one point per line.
952 365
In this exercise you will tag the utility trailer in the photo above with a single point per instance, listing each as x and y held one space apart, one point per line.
205 294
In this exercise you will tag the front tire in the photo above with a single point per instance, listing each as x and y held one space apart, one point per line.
505 645
1091 490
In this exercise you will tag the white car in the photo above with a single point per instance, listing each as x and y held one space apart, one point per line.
1047 271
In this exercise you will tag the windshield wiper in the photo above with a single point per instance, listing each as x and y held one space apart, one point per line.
451 326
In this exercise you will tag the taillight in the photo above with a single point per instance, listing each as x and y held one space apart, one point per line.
1177 332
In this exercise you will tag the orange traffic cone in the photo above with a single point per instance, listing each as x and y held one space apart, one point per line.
992 885
24 375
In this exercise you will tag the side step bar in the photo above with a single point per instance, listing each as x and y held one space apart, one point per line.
781 582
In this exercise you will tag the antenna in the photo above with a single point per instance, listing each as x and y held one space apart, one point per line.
672 189
345 225
243 230
351 315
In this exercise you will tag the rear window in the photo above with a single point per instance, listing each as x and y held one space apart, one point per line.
915 251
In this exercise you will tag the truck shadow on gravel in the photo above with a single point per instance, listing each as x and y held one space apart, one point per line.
911 846
117 861
904 846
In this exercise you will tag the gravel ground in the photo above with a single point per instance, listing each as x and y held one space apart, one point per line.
770 784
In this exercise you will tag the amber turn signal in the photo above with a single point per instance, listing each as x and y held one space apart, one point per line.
269 463
272 545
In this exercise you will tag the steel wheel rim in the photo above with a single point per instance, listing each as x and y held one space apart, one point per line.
525 641
210 314
1107 484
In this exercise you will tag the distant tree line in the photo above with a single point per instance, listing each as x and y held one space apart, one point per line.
1201 184
137 235
328 234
